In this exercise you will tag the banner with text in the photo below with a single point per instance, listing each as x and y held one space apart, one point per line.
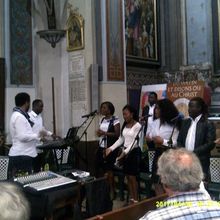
181 93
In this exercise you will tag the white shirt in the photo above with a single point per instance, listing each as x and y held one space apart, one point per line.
151 112
191 135
23 137
38 126
104 124
127 138
164 131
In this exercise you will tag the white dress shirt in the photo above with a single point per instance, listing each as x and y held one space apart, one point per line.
164 131
151 112
191 135
23 137
38 126
127 138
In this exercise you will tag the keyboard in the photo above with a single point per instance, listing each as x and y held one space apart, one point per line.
53 144
44 180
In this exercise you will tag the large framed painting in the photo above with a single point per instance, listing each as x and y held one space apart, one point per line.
141 32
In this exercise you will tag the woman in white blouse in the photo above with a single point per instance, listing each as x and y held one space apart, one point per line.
130 150
108 133
163 132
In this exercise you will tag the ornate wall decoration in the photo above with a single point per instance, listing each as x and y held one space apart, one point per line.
135 79
75 31
20 43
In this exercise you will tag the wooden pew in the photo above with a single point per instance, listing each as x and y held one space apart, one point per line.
133 212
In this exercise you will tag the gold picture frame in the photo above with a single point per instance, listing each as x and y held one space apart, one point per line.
75 32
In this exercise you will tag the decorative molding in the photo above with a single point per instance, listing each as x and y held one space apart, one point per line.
137 78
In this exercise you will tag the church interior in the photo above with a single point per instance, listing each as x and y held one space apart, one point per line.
75 55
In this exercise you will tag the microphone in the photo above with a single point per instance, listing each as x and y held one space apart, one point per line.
179 116
145 116
90 114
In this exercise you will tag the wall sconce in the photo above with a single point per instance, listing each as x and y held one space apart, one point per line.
52 36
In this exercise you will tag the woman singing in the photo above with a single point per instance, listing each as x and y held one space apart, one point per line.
163 132
131 150
109 131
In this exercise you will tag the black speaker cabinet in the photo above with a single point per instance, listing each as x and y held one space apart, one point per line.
2 94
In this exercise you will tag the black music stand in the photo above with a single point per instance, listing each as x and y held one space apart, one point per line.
86 139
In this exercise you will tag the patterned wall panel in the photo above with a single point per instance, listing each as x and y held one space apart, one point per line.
20 43
136 77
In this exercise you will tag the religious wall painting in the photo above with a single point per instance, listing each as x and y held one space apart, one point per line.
75 32
141 31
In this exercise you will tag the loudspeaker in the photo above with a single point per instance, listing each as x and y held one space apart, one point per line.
94 86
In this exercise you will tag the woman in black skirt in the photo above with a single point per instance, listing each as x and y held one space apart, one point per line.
163 132
108 133
130 151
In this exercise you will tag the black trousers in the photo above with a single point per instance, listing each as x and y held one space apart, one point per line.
20 165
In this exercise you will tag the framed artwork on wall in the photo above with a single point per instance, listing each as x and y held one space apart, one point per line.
75 32
141 32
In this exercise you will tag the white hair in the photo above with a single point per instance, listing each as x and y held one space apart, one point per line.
180 170
13 204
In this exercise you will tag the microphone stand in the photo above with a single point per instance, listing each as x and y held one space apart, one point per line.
170 142
86 139
118 164
137 137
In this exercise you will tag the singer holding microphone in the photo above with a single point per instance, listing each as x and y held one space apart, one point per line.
109 131
130 151
163 132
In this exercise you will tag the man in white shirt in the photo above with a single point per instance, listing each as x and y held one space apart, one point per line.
23 150
149 110
197 134
35 116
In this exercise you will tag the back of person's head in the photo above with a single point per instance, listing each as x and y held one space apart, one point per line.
180 170
21 99
13 205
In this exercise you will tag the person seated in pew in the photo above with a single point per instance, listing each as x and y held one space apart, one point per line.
181 174
13 204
